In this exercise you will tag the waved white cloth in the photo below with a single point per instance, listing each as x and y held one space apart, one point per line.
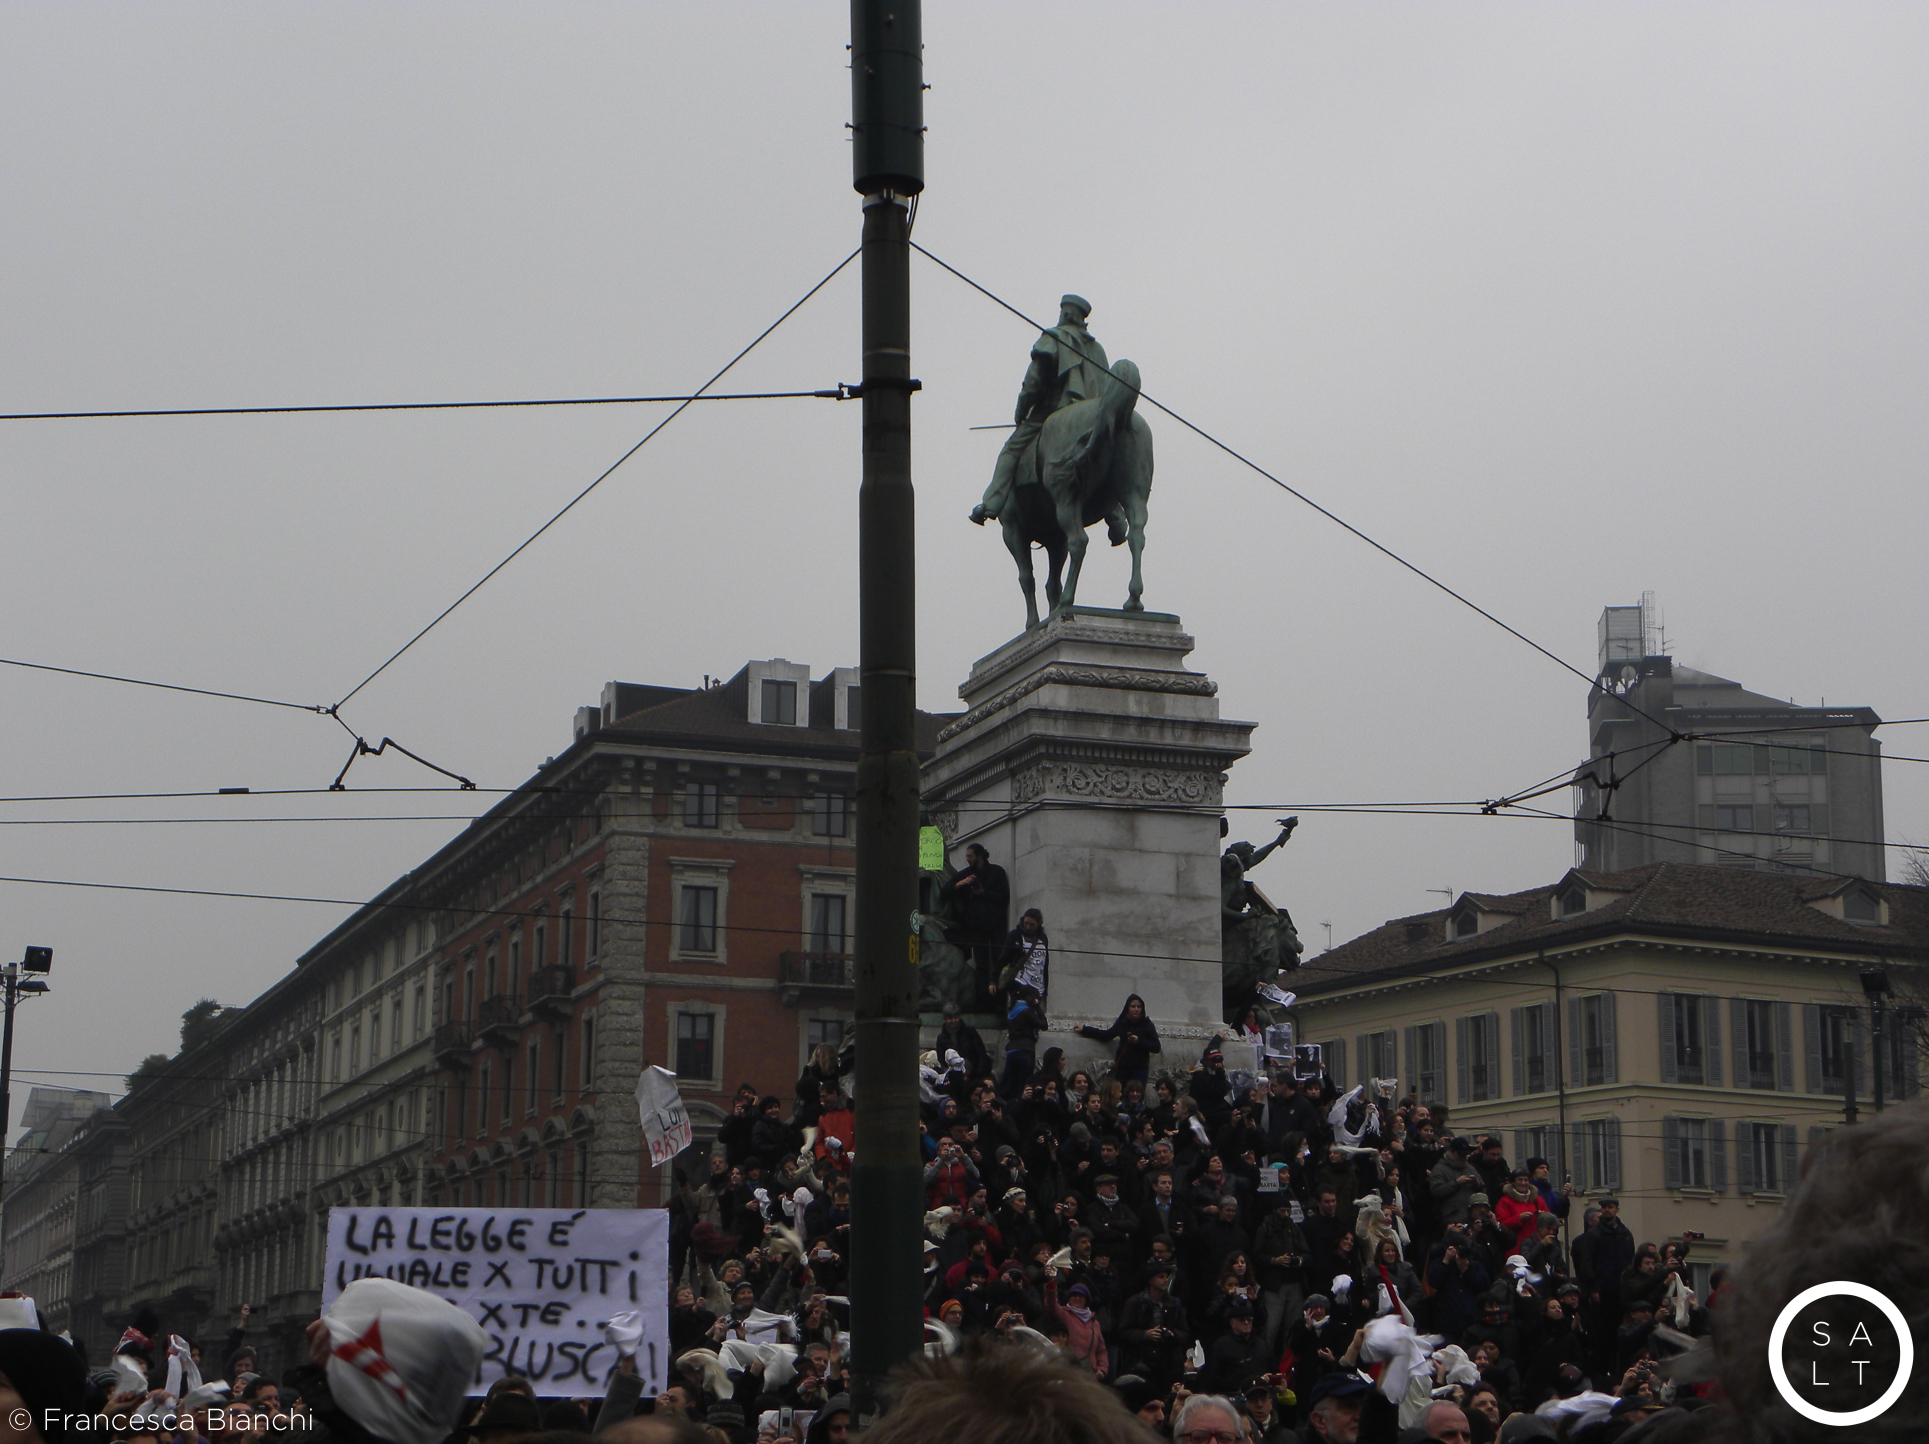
20 1313
779 1360
1584 1408
1336 1115
1680 1295
624 1332
832 1143
183 1374
208 1395
762 1195
401 1359
760 1327
952 1062
1389 1340
128 1373
1460 1368
1342 1286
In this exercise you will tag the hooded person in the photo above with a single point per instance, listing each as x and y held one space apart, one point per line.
390 1362
43 1375
1137 1040
831 1424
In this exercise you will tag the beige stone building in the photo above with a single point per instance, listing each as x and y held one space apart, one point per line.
1679 1036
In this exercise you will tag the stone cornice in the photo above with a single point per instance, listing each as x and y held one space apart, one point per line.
1072 675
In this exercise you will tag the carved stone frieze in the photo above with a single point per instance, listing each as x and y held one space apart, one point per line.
1107 782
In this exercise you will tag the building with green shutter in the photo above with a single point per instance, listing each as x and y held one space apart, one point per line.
1678 1035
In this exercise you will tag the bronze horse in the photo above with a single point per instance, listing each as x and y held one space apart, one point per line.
1092 459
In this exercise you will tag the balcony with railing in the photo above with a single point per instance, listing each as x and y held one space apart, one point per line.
820 973
499 1020
452 1042
550 990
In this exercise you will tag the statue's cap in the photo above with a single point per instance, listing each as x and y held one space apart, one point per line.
1076 303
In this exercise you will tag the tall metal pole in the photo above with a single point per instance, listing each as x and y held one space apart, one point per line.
887 1175
9 977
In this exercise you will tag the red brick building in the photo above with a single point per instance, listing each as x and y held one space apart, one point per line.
677 889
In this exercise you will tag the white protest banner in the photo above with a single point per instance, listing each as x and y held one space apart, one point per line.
666 1126
542 1282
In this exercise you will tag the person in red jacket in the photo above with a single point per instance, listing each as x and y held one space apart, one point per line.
950 1178
1519 1207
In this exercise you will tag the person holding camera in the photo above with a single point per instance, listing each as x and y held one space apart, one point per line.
1153 1330
1280 1250
1457 1280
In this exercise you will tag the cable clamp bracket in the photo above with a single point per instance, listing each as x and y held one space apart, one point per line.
854 390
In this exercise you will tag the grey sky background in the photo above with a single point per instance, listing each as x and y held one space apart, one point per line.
1561 302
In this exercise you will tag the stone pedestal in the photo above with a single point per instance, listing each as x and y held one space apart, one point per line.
1090 764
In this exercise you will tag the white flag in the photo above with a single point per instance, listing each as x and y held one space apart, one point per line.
666 1126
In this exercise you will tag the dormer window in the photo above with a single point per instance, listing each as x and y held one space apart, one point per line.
1573 901
1466 923
780 702
1861 906
775 693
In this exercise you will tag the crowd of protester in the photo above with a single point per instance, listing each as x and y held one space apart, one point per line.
1131 1253
1179 1232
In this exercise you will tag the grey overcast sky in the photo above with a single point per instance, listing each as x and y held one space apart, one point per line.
1561 301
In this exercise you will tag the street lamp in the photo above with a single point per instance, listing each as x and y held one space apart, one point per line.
1875 985
37 960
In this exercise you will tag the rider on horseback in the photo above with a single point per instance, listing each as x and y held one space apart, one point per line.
1067 365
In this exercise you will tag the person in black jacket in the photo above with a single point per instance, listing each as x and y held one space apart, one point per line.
1137 1038
772 1138
1239 1355
982 894
1025 960
734 1132
1210 1088
1022 1027
956 1035
1153 1332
